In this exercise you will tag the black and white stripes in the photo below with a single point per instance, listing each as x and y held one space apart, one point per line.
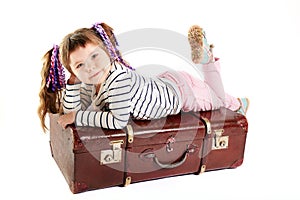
123 93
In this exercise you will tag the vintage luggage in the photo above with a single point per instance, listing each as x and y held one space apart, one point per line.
187 143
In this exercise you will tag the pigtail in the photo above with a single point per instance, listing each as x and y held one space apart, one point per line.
106 34
53 81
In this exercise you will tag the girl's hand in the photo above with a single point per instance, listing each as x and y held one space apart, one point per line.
67 119
73 79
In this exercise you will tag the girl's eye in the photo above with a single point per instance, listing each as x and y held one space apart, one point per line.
79 65
94 56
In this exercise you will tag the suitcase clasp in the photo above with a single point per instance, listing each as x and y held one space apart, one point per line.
219 141
113 155
171 140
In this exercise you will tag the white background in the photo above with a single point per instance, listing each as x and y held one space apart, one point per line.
258 42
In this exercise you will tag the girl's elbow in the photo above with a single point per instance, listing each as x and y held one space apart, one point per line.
121 124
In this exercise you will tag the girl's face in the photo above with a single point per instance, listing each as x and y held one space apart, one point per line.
90 64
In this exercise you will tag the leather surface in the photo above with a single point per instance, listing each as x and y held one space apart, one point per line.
184 130
236 127
180 140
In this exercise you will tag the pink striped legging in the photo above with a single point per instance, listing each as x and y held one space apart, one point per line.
198 95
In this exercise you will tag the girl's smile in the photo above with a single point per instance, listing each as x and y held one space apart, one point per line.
96 74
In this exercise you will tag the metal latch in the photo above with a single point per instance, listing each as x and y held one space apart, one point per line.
219 141
113 155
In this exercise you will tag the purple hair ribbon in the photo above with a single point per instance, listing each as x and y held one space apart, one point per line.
109 46
56 78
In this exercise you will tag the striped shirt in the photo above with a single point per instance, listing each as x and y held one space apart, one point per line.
124 93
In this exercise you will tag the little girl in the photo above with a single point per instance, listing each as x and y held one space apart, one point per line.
104 91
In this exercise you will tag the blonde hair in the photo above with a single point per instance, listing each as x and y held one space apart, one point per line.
49 100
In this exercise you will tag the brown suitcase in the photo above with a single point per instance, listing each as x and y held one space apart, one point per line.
187 143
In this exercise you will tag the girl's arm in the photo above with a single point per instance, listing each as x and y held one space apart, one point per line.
118 105
77 95
71 99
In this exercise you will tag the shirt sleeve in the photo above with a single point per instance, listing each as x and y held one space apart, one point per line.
118 100
71 100
77 97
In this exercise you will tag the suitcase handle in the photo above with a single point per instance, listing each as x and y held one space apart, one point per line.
171 165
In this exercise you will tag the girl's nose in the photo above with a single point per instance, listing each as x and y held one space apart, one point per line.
89 66
88 69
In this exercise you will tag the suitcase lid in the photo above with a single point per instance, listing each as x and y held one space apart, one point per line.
229 122
96 138
180 127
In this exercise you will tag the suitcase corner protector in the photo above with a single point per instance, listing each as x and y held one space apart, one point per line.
127 181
